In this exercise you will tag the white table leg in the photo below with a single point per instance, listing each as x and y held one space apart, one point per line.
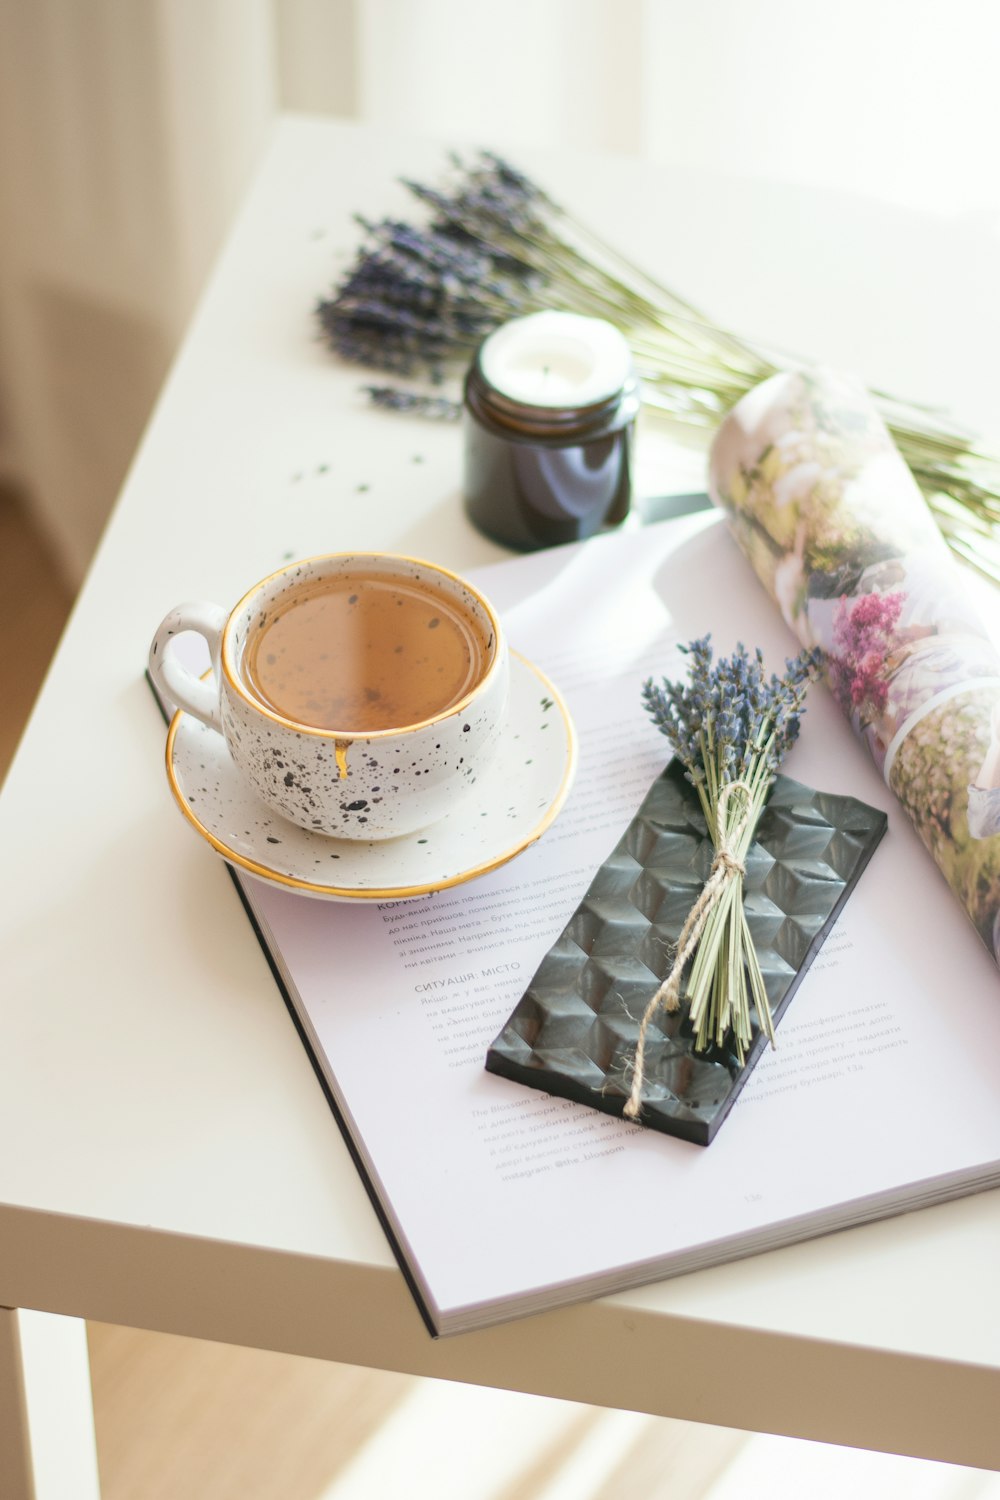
47 1445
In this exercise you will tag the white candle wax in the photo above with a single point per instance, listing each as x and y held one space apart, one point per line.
556 359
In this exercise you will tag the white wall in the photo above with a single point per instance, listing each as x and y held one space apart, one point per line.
128 129
544 71
893 99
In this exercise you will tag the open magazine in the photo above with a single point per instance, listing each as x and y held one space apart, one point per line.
501 1201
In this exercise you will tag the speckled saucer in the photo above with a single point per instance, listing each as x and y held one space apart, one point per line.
511 805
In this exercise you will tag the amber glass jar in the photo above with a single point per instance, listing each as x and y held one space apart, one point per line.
549 418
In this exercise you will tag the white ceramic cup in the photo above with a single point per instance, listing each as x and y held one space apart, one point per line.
355 784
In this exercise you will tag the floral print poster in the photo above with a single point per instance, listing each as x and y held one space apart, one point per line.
830 516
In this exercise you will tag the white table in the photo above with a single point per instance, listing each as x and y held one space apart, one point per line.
168 1160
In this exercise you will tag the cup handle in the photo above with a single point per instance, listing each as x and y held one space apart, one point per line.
195 695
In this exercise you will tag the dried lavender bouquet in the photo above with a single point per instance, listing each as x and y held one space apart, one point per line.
730 726
493 245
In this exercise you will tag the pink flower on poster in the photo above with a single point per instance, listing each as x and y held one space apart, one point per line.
864 637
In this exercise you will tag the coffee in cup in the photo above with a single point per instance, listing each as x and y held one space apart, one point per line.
357 693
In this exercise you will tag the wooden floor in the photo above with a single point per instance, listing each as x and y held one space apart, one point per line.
179 1419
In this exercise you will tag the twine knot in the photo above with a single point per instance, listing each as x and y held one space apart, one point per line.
726 860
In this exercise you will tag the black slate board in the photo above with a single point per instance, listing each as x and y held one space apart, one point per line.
574 1030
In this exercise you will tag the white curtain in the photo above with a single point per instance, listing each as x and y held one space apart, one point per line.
129 128
127 131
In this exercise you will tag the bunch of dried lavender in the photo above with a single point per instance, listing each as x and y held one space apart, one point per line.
730 726
421 297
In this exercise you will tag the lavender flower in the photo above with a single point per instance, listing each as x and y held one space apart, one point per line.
391 398
730 714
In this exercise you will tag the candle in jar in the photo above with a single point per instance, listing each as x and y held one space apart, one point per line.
556 359
550 404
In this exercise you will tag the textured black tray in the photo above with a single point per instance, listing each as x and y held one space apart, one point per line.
574 1030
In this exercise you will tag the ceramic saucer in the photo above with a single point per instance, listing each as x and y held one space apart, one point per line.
511 805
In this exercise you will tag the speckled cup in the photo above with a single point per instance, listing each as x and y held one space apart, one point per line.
357 785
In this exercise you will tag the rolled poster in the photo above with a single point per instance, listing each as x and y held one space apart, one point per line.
831 518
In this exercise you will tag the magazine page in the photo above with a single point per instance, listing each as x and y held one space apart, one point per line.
503 1199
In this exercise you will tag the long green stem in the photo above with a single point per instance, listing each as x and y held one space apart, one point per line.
719 993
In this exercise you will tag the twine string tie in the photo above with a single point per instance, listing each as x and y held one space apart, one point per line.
726 866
